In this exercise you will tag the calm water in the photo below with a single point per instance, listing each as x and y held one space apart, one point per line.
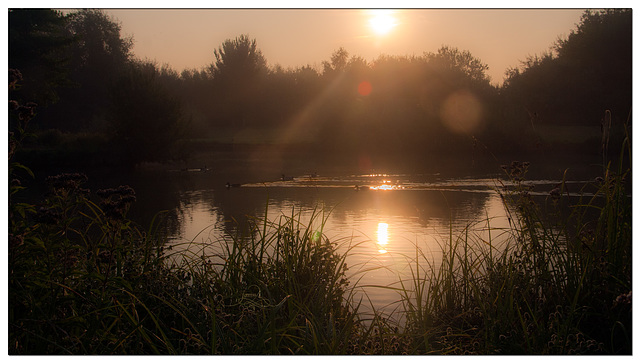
389 216
387 222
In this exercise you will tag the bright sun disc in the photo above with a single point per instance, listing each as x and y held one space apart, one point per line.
382 21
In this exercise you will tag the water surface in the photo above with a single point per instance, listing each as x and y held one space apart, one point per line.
389 217
390 213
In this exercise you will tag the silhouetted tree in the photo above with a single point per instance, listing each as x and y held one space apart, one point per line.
238 59
597 56
97 57
145 119
196 92
588 72
283 98
397 83
400 111
238 75
580 78
338 62
340 78
38 45
527 97
454 80
461 61
294 99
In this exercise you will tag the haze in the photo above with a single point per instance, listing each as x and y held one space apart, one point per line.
501 38
319 182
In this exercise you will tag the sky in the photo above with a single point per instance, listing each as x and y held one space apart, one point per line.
500 38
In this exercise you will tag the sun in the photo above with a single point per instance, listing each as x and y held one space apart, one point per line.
382 21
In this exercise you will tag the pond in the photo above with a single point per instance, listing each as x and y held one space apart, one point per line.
388 221
390 215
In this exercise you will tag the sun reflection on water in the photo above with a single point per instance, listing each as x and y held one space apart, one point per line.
383 237
387 185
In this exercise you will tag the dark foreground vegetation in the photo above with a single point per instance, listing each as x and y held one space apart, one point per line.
85 279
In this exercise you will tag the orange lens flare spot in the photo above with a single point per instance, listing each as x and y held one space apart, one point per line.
364 88
462 112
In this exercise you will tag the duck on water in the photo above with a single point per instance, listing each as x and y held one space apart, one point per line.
203 170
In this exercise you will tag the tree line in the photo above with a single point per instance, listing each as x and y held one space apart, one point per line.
88 85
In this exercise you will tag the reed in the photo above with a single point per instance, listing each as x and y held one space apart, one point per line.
84 279
554 282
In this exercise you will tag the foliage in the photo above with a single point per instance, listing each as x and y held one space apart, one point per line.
584 75
407 111
74 269
146 120
97 57
462 61
38 46
238 59
551 283
84 279
339 60
238 81
600 50
280 289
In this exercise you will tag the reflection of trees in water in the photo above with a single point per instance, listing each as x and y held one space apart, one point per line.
344 202
181 194
454 206
231 209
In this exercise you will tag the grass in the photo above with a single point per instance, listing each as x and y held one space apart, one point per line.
558 284
83 279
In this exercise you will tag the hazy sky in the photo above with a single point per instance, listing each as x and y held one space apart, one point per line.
501 38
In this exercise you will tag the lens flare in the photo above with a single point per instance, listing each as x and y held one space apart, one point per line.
462 112
364 88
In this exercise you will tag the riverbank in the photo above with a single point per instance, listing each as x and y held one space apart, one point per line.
86 280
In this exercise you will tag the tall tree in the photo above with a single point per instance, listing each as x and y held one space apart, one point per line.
587 73
146 120
598 57
98 56
461 61
37 48
238 60
238 75
339 60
